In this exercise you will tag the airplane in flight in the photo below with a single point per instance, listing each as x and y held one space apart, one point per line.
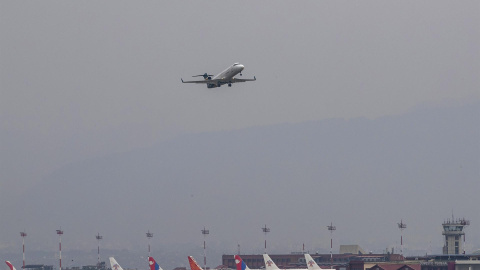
10 265
270 265
312 264
224 77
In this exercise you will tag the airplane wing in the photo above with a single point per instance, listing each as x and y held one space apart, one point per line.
234 80
202 81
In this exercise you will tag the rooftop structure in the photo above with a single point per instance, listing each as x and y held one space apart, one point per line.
453 231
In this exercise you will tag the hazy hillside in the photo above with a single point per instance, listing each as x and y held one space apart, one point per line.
364 175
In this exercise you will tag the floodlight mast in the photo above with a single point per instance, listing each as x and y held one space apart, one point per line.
23 235
98 237
401 226
205 232
149 236
265 231
60 233
331 228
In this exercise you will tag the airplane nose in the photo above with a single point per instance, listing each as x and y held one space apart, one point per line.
241 67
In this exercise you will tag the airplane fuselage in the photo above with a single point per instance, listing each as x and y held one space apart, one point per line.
226 75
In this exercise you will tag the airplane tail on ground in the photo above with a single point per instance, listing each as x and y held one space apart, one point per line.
10 265
311 263
153 264
193 264
114 264
269 264
240 263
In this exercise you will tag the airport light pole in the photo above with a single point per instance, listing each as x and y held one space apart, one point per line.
60 233
331 228
98 237
401 226
205 232
265 230
23 235
149 236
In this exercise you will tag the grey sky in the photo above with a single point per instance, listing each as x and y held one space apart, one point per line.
83 80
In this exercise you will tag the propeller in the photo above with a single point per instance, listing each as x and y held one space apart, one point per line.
205 76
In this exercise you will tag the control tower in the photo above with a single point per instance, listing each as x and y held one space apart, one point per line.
453 231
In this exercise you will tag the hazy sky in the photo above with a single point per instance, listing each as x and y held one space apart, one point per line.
84 79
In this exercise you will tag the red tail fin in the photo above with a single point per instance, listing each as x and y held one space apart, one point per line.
10 265
193 264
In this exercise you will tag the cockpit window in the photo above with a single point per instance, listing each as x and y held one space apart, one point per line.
236 64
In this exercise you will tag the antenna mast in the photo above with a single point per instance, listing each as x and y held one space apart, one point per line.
265 231
331 228
401 226
149 236
98 237
23 235
205 232
60 233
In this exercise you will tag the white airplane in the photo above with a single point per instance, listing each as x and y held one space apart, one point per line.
224 77
312 264
270 265
114 264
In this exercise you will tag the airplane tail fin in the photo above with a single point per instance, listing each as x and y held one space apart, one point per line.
269 264
153 264
240 263
114 264
311 264
10 265
193 264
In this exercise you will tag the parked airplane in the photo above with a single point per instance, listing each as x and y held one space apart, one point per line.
10 265
114 264
153 264
312 264
241 264
193 264
270 265
224 77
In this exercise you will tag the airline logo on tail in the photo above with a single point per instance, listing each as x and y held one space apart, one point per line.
240 263
312 264
193 264
10 265
153 264
269 264
114 264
